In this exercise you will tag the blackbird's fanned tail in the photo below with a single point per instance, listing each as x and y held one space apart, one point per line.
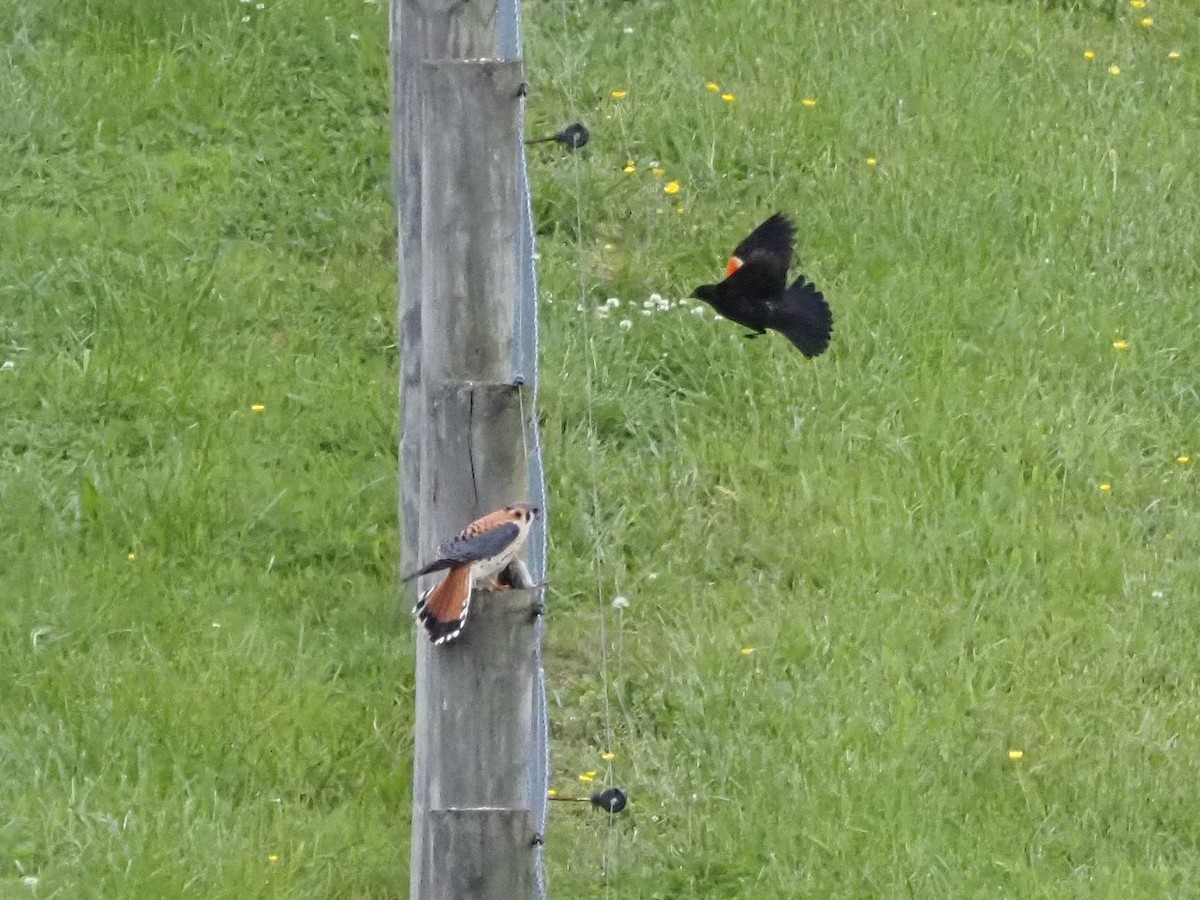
805 318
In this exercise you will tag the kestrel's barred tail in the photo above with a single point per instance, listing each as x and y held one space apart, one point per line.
443 608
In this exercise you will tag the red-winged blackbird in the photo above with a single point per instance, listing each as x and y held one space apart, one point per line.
753 294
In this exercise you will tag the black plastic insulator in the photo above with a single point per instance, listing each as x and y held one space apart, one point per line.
612 800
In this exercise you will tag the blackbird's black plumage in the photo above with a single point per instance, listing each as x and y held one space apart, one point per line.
572 137
754 292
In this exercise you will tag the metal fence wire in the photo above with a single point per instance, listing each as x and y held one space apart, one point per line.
525 365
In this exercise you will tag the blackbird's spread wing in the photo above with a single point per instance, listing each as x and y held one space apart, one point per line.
471 548
765 256
772 239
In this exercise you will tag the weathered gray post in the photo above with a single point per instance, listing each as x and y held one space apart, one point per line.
420 30
472 827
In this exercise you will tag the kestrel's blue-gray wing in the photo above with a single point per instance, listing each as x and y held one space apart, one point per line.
471 547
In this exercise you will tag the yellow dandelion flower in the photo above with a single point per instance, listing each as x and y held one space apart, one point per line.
587 777
630 167
1120 345
132 554
552 793
1106 487
272 857
1174 54
1183 460
1015 753
659 171
713 86
608 757
671 187
257 407
619 95
1146 22
1138 4
728 98
1089 55
746 651
809 102
1114 70
871 160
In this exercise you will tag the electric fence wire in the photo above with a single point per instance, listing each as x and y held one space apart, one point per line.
525 368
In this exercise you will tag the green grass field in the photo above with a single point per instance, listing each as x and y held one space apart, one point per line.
918 618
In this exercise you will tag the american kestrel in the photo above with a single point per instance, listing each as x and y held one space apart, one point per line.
475 556
753 294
